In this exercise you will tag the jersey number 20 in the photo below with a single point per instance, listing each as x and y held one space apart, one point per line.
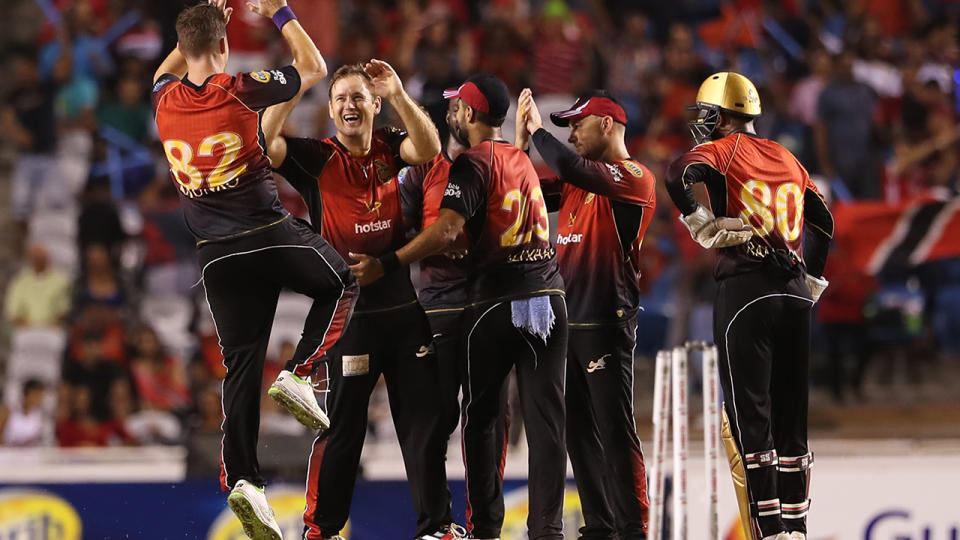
512 236
772 210
221 174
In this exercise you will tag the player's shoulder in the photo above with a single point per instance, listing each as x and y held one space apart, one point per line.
165 83
633 167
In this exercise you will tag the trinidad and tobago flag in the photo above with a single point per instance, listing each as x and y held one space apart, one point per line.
880 237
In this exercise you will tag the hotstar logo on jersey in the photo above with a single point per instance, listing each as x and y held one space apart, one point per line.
375 226
564 239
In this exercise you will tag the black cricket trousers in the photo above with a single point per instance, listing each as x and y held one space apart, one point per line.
761 327
395 343
493 347
602 435
243 278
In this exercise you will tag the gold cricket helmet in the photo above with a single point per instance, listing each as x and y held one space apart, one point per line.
728 91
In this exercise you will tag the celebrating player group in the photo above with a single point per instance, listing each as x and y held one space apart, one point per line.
497 291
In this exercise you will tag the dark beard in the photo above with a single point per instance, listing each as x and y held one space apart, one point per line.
459 135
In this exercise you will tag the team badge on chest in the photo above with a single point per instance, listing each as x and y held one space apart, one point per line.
385 171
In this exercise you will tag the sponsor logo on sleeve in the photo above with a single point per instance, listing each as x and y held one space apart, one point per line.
260 76
615 172
632 168
161 83
278 75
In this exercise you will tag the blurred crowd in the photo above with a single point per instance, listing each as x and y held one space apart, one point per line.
110 341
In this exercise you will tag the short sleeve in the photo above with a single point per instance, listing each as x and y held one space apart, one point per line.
466 189
161 87
304 162
261 89
394 138
410 186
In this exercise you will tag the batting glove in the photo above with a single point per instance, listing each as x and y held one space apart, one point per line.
817 286
711 232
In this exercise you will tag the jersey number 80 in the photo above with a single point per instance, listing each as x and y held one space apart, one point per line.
773 211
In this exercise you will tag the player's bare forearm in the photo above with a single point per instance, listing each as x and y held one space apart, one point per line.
423 140
174 64
276 151
306 57
436 238
272 124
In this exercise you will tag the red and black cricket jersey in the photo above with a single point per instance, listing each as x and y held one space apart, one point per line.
762 183
495 187
605 209
216 150
443 281
354 203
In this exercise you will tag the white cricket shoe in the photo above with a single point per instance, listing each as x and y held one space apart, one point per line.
448 532
780 536
797 535
252 509
295 395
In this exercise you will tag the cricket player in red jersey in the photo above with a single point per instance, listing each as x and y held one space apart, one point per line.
762 202
350 185
443 278
516 317
606 202
249 247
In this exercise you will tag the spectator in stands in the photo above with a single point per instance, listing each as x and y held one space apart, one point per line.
26 424
99 283
102 323
160 379
147 426
27 119
209 411
845 131
806 93
129 112
90 370
631 58
82 428
38 295
99 221
562 53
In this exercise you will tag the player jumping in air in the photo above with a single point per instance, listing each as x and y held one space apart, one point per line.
762 202
248 246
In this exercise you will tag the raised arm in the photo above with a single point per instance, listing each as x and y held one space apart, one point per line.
306 57
272 125
174 64
423 141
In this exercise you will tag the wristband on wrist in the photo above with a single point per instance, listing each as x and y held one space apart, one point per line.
282 16
389 261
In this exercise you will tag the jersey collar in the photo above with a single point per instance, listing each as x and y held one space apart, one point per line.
186 81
